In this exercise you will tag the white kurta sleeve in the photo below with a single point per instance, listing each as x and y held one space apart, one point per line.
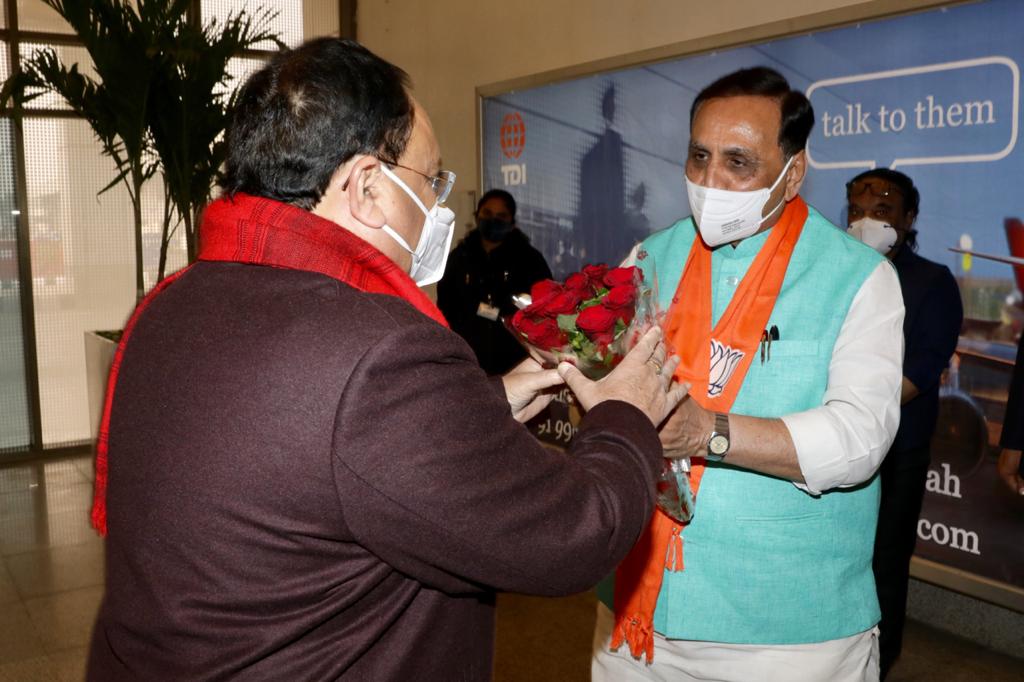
843 442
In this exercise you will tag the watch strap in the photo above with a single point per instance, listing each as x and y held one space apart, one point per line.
722 423
715 451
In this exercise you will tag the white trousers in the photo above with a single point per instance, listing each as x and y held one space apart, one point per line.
851 659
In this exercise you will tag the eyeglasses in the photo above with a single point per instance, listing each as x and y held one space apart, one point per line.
877 188
440 184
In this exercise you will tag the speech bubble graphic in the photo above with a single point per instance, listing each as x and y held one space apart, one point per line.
943 105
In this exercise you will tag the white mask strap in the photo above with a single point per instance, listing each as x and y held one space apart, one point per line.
774 185
398 181
785 169
398 238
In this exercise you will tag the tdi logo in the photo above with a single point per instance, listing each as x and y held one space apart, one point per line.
514 174
513 141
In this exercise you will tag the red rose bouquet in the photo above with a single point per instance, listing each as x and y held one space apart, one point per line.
591 319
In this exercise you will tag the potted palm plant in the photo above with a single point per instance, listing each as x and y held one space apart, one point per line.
114 105
188 112
159 104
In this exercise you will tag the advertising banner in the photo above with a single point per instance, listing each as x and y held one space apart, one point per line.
596 164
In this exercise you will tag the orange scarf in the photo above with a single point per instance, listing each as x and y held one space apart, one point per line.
715 378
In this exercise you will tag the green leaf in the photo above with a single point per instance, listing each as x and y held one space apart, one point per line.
567 323
117 180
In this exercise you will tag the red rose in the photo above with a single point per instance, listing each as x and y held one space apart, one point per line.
603 340
544 289
595 273
617 277
578 282
551 336
622 296
543 333
561 303
596 320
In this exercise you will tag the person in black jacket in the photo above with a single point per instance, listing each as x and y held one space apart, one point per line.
493 263
882 206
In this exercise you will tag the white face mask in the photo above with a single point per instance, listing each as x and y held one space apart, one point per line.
431 253
881 237
724 216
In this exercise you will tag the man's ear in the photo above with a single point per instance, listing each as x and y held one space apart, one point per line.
363 191
796 174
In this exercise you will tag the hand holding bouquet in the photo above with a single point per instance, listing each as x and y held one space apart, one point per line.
591 320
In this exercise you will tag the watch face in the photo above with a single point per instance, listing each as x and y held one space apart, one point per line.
718 445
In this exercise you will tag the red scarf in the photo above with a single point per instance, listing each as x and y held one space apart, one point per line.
715 378
257 231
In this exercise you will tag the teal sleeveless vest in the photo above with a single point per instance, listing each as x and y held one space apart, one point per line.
766 563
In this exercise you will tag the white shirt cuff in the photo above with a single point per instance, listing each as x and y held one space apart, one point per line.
819 451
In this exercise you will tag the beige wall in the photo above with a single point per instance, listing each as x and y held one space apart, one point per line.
320 18
451 47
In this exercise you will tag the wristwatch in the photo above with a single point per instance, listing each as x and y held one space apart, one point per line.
718 443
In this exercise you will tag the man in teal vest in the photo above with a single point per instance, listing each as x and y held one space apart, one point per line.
787 423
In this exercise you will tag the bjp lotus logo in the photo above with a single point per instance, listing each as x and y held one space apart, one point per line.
724 361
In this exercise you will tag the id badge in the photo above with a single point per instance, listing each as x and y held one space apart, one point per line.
487 311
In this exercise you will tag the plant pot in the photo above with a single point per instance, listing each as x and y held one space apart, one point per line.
99 354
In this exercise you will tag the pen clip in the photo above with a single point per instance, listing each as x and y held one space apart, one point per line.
773 335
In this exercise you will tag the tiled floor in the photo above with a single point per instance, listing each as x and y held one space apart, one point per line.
51 570
51 577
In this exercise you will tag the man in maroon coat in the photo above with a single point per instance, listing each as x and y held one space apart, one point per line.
303 473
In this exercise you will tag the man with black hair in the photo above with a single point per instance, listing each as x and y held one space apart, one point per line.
789 333
303 472
490 265
882 210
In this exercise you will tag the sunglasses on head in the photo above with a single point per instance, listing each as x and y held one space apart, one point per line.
877 188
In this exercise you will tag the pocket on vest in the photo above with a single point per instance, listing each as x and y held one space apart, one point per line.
792 378
799 534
